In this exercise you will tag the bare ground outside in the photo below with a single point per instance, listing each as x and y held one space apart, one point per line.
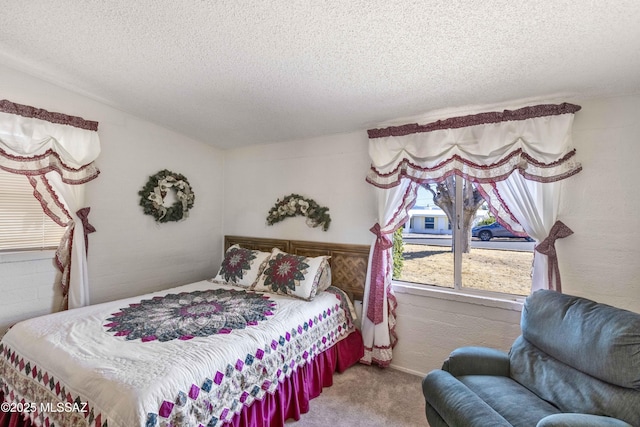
486 269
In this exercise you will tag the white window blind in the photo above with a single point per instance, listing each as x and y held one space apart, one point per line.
23 223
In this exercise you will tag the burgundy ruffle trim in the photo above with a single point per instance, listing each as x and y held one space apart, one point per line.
39 113
477 119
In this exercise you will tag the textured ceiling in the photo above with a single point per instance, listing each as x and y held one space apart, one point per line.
234 72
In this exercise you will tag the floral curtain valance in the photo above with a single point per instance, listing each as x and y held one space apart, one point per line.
485 147
56 152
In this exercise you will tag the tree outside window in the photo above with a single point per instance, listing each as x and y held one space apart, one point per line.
502 264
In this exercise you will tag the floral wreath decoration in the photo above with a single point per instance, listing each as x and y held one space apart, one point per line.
296 205
155 190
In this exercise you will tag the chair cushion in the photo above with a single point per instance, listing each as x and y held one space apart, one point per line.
597 339
509 399
568 388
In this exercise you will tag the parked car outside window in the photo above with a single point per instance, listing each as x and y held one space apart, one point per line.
488 232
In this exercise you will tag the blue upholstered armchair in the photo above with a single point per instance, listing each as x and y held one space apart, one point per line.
577 363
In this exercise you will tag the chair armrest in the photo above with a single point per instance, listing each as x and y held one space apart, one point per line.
456 404
477 361
580 420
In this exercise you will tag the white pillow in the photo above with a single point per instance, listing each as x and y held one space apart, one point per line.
242 266
293 275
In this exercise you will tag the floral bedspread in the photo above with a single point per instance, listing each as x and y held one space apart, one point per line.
189 356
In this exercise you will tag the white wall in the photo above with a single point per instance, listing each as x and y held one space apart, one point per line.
601 204
599 261
134 254
430 326
129 254
330 170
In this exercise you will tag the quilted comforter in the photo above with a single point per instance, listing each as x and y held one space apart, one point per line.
188 356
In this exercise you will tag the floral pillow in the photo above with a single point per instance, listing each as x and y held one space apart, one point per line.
242 266
293 275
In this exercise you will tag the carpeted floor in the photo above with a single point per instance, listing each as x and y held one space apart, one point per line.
368 396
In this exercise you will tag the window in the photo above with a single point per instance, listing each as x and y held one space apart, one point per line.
23 223
429 223
464 260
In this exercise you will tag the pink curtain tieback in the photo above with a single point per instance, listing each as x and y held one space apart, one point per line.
547 247
376 292
83 214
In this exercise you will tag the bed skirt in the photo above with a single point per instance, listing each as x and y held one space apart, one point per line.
292 397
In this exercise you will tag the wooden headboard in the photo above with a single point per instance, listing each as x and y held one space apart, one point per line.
348 262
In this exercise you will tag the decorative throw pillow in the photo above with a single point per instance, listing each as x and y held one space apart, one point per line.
293 275
242 266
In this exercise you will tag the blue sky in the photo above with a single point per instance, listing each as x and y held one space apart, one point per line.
425 197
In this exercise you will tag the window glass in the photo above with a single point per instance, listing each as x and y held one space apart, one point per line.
491 258
23 223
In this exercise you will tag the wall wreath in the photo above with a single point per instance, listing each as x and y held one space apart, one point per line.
295 205
155 190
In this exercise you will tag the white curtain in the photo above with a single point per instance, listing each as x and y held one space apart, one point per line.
531 208
515 157
56 153
74 263
378 308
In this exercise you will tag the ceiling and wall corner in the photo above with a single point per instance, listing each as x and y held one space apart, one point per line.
233 73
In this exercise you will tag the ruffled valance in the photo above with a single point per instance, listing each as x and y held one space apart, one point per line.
30 144
487 147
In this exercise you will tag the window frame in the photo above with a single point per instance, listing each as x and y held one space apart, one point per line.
457 240
7 257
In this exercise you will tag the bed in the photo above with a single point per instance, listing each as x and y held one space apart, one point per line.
211 353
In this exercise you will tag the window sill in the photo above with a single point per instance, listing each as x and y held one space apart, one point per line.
502 301
22 256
